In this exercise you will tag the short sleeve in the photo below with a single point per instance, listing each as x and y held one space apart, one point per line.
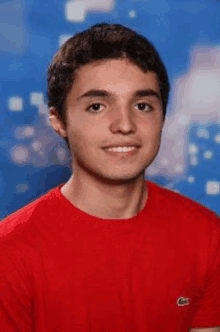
208 313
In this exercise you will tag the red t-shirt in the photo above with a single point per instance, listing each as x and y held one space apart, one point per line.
63 270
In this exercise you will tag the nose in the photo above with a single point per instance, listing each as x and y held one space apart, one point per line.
123 121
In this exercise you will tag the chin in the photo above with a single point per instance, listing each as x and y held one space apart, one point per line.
117 178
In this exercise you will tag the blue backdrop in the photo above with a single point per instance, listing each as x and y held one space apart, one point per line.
186 33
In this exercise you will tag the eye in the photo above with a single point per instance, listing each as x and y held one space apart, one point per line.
94 107
144 107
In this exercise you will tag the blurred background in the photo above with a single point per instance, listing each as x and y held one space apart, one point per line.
34 159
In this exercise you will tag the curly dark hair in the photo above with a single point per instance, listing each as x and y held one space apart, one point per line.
99 42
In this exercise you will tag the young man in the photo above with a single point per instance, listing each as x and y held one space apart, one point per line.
109 250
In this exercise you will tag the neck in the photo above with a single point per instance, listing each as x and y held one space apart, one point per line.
104 200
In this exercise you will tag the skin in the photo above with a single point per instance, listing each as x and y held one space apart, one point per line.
100 185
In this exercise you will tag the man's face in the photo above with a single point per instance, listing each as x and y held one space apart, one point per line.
126 108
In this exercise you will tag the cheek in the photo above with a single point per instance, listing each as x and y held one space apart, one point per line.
81 138
152 129
76 138
84 127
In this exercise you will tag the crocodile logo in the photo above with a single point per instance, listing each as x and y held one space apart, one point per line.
181 301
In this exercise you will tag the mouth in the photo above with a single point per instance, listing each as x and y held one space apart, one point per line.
122 151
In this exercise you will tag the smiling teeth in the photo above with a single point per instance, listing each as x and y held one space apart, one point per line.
122 149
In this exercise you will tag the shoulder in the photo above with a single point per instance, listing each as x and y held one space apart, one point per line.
184 219
178 205
23 218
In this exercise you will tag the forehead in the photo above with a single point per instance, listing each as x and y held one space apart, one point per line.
120 76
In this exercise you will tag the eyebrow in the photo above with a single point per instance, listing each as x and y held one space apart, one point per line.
104 93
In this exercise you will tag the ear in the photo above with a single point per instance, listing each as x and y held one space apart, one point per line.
57 123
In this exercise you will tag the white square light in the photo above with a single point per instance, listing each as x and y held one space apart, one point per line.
212 187
22 187
36 98
202 132
132 13
15 103
75 11
191 179
193 148
208 154
193 160
217 138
